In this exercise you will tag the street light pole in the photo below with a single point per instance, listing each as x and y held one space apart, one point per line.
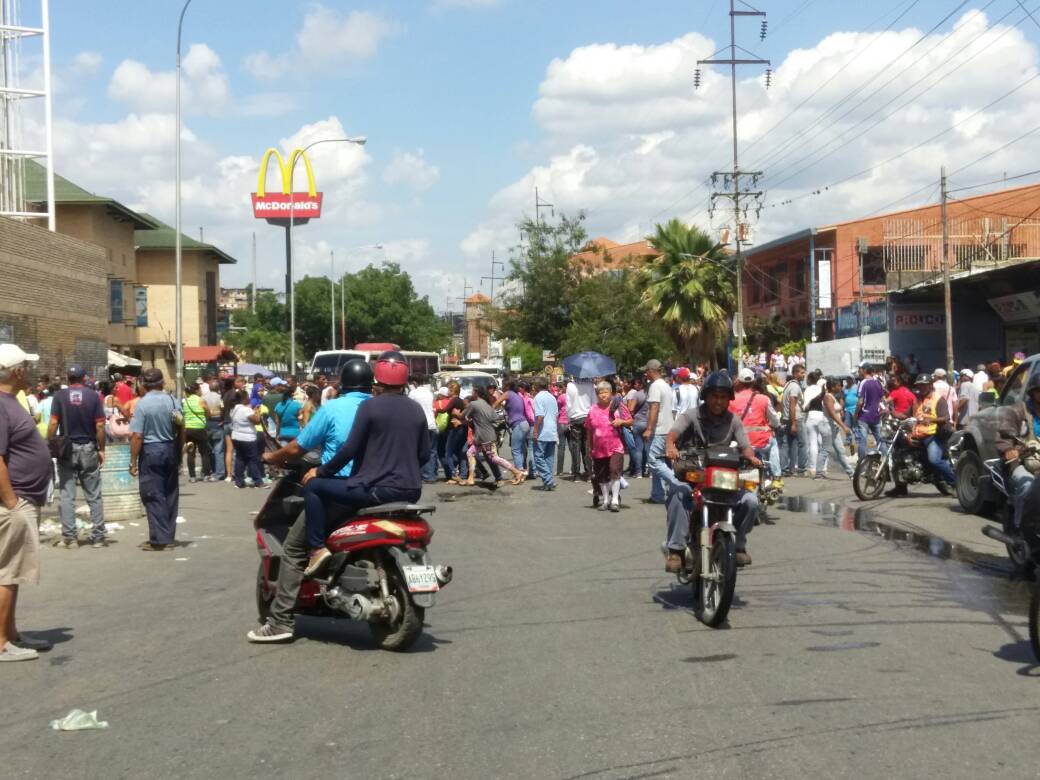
178 313
360 141
332 294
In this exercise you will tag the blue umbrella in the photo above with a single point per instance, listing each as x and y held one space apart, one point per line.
587 365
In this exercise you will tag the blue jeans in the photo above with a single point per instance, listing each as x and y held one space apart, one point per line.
661 475
874 429
937 461
83 466
544 460
319 494
637 454
794 450
455 464
770 454
680 504
519 441
215 432
429 469
158 483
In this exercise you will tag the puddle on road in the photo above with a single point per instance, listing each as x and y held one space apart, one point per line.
706 659
862 519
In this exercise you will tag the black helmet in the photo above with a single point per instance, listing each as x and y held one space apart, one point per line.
356 375
718 381
923 379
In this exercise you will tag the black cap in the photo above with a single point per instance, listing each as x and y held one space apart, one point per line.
152 376
76 371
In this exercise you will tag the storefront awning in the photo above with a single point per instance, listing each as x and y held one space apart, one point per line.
122 361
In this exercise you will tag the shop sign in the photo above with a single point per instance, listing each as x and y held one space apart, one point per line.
280 206
918 318
1017 307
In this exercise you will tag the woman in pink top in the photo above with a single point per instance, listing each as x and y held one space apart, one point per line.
603 428
562 429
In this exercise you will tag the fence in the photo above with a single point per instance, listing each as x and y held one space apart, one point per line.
917 246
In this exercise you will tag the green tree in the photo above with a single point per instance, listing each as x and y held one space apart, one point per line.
530 356
541 312
608 317
260 336
766 333
689 289
382 306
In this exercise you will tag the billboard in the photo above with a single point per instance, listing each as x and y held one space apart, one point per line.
279 207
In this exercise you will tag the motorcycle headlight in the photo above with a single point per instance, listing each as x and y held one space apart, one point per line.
722 479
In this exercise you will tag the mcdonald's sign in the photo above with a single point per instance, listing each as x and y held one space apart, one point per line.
277 207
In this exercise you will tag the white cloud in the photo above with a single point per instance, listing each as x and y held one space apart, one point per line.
204 84
629 140
471 4
411 170
326 38
87 63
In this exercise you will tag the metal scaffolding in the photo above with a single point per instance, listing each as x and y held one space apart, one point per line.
916 246
14 149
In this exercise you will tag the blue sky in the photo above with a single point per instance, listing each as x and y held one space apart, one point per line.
465 111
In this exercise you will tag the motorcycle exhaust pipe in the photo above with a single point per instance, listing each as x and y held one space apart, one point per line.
998 535
443 574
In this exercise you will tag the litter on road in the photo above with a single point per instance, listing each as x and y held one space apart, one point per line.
78 720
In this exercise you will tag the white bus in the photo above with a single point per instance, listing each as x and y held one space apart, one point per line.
330 362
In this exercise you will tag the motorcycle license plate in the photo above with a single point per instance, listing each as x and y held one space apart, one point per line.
421 579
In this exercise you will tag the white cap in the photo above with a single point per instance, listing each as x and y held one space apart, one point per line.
746 375
967 373
12 355
443 392
939 373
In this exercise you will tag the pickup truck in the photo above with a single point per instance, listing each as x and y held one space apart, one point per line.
976 442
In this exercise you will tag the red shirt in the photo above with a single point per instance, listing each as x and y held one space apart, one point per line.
123 392
751 408
902 400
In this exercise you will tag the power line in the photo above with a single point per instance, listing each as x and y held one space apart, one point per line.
835 120
995 181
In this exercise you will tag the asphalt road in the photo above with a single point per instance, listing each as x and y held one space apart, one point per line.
562 650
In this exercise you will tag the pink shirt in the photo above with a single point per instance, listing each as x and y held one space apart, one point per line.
561 402
606 439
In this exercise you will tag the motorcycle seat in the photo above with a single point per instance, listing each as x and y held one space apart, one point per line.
396 508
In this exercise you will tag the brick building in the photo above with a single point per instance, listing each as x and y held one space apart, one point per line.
477 332
601 255
53 297
898 250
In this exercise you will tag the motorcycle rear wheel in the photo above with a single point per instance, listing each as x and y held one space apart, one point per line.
716 596
399 634
867 481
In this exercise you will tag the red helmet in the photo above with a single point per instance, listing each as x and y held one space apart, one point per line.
391 369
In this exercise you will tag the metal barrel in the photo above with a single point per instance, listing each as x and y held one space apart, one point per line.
119 489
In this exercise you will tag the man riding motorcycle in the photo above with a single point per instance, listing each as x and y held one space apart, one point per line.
329 430
711 424
1021 421
932 414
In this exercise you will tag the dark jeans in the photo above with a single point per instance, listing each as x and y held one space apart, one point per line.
429 470
581 465
563 432
157 482
455 452
321 494
247 458
640 446
200 438
215 432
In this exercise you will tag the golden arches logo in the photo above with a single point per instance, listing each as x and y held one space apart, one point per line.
286 169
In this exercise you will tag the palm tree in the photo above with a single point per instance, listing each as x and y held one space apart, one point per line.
688 287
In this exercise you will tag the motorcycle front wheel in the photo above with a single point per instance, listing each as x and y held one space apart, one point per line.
870 477
1017 554
719 583
1034 622
400 632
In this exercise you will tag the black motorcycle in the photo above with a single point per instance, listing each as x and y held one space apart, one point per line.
709 560
900 458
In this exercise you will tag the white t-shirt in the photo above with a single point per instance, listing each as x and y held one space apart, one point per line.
580 398
328 393
660 393
242 428
979 380
423 396
686 395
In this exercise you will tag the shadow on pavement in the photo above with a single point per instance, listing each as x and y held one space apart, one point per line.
355 635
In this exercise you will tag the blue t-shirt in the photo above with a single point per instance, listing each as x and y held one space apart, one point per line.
153 417
330 427
287 412
851 397
545 407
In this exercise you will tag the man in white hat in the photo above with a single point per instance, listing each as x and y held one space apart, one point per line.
25 474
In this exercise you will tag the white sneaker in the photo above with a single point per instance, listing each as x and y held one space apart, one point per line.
624 483
13 652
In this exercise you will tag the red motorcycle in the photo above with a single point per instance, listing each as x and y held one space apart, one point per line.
380 571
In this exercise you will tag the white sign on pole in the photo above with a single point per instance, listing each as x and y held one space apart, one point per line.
515 364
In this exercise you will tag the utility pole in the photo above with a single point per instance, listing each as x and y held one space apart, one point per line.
332 298
540 204
252 302
732 186
343 311
946 274
493 278
861 250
